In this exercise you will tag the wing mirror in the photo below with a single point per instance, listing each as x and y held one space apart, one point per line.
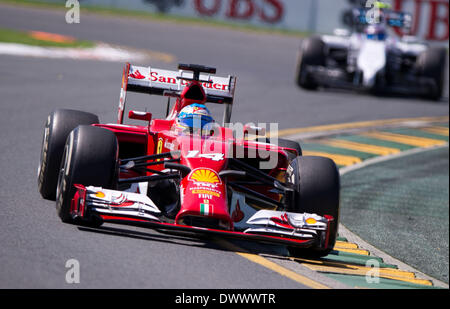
254 130
341 32
140 115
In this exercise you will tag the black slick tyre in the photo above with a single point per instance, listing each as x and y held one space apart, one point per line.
312 53
432 64
57 127
90 158
316 182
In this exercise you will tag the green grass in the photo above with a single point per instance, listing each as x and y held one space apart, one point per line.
20 37
119 12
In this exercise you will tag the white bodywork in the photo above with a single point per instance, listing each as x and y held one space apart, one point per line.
371 59
287 223
369 56
107 202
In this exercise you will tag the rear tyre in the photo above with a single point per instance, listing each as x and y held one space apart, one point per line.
316 182
90 158
432 64
58 126
312 53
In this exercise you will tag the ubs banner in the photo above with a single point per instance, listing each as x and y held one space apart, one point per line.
430 17
430 20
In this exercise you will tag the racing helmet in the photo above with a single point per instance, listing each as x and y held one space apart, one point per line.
194 119
376 32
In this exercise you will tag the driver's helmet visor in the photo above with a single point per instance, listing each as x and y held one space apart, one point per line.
376 33
195 124
376 36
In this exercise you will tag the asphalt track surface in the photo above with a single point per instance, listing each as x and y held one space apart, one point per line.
36 245
414 199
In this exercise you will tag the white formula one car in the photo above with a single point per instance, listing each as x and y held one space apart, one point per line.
372 59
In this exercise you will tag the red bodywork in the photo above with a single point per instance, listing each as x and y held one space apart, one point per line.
203 192
206 157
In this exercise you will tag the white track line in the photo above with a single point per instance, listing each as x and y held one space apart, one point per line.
100 51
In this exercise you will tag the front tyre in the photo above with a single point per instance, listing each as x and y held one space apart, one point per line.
57 127
316 182
432 64
90 158
312 53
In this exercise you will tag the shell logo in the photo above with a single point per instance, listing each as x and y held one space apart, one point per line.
205 175
99 194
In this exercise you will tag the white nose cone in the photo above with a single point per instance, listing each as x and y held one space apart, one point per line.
371 59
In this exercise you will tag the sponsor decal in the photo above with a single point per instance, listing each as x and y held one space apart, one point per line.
100 194
117 199
204 175
137 75
265 11
205 196
157 77
169 145
431 18
159 147
282 221
206 191
120 200
292 222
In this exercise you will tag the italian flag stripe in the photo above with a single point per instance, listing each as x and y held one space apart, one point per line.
204 209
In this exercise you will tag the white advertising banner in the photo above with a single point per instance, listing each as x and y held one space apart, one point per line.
430 17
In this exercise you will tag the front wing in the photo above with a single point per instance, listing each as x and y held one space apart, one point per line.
405 84
302 230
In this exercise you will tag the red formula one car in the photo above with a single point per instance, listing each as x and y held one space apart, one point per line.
186 172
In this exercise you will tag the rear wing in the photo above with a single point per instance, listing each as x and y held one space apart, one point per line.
166 82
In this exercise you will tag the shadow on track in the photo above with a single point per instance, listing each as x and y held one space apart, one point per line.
388 96
190 239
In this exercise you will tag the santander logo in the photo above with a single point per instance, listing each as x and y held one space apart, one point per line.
137 75
172 78
156 77
282 221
